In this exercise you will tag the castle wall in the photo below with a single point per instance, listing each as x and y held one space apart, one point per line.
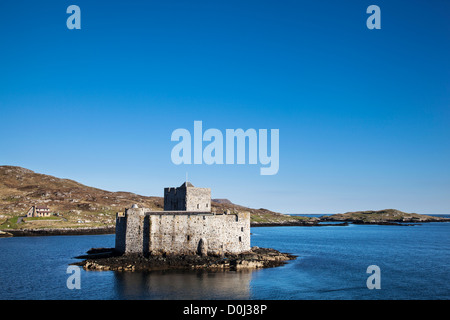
174 199
183 232
134 236
121 229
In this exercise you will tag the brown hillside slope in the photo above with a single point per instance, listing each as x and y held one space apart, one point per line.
80 206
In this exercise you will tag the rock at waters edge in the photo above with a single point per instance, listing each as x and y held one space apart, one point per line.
256 258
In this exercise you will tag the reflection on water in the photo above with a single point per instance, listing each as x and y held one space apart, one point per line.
182 285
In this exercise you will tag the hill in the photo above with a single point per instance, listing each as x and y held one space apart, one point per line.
78 205
222 201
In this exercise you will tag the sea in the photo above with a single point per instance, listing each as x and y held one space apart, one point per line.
333 263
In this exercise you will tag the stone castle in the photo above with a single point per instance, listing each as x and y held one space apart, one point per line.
186 226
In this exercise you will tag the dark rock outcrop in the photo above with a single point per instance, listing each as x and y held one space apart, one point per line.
108 259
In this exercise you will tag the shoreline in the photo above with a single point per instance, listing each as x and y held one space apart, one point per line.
111 230
297 224
61 231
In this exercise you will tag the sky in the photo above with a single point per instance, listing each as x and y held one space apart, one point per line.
363 115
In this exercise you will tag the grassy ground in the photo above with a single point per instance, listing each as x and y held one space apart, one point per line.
80 219
270 218
10 223
77 219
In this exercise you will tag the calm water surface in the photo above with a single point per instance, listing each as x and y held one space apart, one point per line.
331 264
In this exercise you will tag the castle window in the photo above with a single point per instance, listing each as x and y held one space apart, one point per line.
242 229
198 206
188 237
240 239
207 205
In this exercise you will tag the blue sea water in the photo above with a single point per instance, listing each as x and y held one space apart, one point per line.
331 263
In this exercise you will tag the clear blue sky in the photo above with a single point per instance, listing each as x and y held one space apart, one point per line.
364 115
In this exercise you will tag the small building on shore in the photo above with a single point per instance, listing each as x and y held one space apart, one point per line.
39 211
186 226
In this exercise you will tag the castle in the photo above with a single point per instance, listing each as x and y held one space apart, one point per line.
186 226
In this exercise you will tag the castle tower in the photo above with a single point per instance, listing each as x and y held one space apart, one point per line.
187 198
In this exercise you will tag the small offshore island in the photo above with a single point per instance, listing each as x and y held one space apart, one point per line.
383 217
107 259
185 235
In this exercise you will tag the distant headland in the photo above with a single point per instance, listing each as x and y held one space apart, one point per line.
386 216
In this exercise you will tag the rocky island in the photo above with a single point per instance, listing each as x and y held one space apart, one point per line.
107 259
385 217
186 234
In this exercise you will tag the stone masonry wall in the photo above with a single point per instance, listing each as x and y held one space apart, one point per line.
187 199
134 241
174 199
121 229
198 199
183 232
